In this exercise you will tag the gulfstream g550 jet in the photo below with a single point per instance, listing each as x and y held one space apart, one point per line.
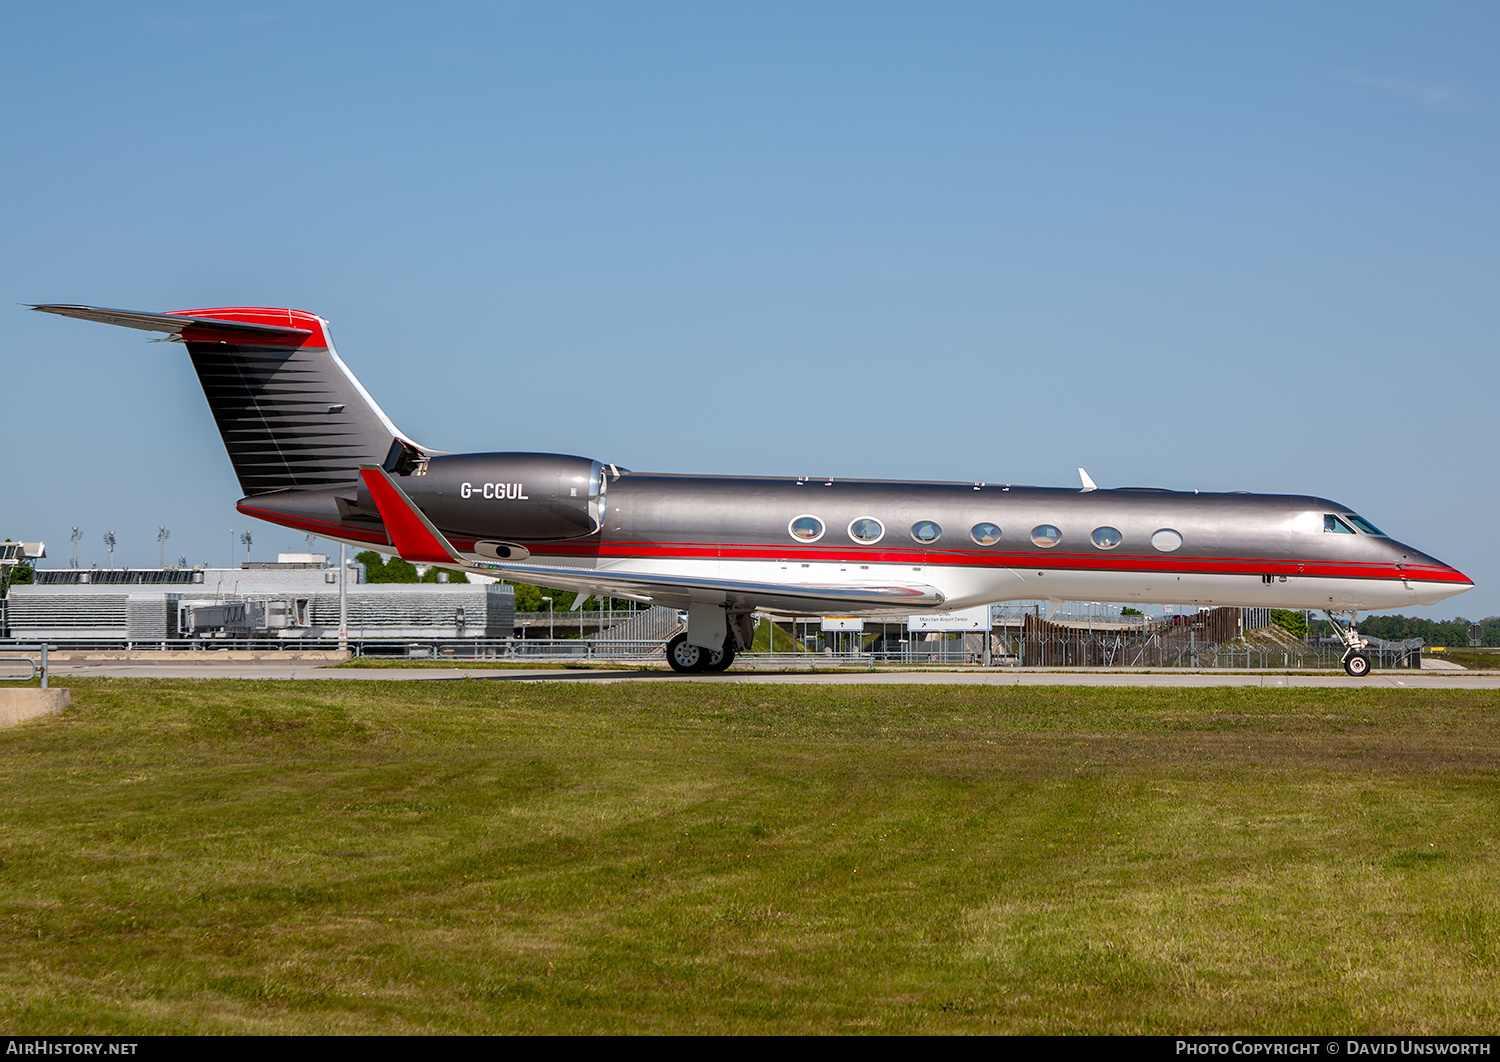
315 452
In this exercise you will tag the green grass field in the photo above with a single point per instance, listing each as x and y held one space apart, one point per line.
478 856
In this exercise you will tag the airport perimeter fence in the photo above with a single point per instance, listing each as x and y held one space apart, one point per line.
1005 652
1214 638
372 648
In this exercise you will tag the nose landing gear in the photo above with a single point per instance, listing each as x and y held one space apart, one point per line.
1356 661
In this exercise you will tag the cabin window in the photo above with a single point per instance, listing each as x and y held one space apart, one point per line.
866 529
1046 536
806 528
926 531
1167 540
1107 537
1332 525
1364 525
985 534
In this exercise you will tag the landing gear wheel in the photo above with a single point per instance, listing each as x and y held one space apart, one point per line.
684 658
720 659
1357 664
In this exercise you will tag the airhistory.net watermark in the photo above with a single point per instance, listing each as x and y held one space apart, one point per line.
68 1047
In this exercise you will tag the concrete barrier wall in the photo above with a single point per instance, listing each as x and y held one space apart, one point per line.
17 706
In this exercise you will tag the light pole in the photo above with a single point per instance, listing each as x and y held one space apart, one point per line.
109 540
343 597
162 534
247 539
549 618
77 534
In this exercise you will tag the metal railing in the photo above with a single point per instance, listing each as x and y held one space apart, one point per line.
37 667
1076 649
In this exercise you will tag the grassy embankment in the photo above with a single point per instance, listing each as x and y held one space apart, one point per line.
218 856
1484 658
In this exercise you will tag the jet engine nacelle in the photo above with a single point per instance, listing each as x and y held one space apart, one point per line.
510 497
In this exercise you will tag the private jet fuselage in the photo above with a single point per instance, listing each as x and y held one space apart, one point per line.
314 452
972 543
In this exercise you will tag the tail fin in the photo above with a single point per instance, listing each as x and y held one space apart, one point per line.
290 412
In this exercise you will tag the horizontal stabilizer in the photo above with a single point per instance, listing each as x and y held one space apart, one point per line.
174 323
291 414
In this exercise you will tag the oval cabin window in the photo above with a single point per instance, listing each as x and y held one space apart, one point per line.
985 534
1107 537
925 531
1167 540
806 528
1046 536
866 529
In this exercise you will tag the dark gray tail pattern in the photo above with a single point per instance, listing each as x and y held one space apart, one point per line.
290 418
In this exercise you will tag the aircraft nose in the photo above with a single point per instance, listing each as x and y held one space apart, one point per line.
1433 579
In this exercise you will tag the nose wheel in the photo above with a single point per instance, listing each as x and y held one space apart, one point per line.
1356 661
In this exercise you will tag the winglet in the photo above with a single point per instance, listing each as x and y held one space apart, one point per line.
1088 484
415 537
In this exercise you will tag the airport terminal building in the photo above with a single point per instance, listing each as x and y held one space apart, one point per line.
290 600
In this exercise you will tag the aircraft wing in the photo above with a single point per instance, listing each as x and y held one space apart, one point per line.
678 591
417 539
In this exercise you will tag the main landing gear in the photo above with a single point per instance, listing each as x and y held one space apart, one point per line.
688 659
1356 660
732 629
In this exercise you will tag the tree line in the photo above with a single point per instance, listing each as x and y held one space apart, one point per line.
380 569
1452 633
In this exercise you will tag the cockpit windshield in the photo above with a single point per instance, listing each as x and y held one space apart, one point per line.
1364 525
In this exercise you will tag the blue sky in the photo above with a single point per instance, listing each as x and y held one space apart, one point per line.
1183 245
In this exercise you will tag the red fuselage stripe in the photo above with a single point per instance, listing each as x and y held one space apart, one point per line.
1020 561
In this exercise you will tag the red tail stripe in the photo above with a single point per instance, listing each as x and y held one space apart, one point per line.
261 315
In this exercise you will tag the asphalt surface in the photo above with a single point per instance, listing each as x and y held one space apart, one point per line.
262 670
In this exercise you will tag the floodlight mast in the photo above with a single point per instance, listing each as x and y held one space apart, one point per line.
162 534
77 534
109 541
343 597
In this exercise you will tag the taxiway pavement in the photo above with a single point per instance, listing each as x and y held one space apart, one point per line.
259 670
